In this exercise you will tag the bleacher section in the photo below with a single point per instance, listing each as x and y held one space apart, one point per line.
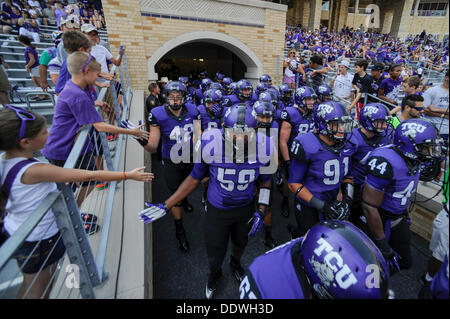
23 89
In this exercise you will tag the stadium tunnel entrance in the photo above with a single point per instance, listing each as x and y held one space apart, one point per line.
204 50
195 57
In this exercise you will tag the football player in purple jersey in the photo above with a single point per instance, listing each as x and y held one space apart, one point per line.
211 113
173 123
265 78
231 192
324 93
295 120
332 261
392 176
244 94
226 84
373 132
265 114
318 167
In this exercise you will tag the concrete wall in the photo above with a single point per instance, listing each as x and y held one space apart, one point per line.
133 23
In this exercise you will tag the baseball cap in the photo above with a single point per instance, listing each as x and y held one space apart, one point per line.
345 63
376 67
71 21
87 27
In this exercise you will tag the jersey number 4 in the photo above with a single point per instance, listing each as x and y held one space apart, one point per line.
176 133
245 177
405 194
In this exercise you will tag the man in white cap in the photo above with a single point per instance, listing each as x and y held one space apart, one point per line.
99 52
342 81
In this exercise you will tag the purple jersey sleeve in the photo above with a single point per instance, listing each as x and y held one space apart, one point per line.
199 171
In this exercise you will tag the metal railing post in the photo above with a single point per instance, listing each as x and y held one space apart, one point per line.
124 96
75 239
115 101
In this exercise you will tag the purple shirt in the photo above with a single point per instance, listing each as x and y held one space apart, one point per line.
74 109
35 55
391 88
58 14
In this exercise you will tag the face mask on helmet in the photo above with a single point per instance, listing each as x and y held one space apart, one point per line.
245 91
175 101
337 130
308 105
379 126
428 151
286 96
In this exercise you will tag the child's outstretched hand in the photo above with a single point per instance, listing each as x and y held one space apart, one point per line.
139 133
139 175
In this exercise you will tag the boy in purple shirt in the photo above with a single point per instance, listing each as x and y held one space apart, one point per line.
75 109
390 88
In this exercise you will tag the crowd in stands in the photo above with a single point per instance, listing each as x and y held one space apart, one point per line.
26 16
372 46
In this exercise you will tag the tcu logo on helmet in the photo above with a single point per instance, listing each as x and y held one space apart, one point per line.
301 90
332 268
219 93
322 89
323 109
369 110
411 129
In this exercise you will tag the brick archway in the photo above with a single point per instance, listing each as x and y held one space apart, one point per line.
250 59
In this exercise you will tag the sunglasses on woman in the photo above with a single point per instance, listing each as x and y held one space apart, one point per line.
24 116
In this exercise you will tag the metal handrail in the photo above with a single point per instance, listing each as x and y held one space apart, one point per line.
11 245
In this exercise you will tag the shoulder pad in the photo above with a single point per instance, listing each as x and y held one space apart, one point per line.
380 167
297 151
285 115
227 102
152 119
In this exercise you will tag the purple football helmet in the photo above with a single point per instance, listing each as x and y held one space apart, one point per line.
264 108
233 88
302 93
226 82
337 258
418 140
266 79
206 82
268 96
214 97
219 76
331 119
286 93
323 92
216 86
244 85
240 117
373 117
175 86
184 80
202 75
261 87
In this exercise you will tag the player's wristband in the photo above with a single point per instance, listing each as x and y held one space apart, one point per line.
347 191
264 196
317 203
141 141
